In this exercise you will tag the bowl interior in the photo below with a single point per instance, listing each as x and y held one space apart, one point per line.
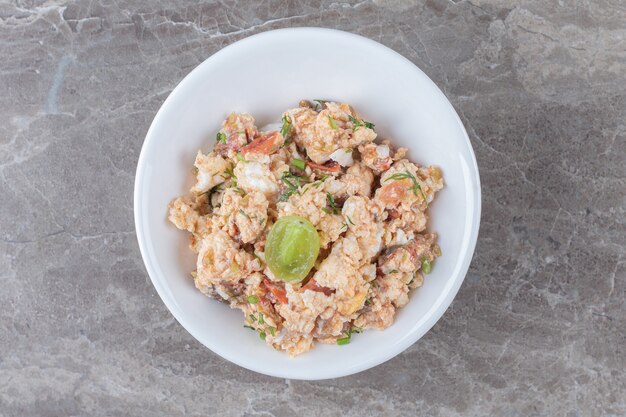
264 75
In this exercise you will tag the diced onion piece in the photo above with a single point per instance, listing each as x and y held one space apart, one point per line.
343 157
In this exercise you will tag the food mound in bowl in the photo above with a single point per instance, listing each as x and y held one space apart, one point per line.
314 231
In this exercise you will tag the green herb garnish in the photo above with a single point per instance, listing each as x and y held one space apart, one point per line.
285 130
346 339
350 220
357 124
293 182
404 175
229 171
261 320
249 327
331 203
298 163
343 340
243 213
240 157
253 299
332 123
221 137
272 330
262 335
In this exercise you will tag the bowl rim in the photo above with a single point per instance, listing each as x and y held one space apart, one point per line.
394 349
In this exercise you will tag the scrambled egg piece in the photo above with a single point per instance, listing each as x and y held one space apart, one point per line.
323 133
368 203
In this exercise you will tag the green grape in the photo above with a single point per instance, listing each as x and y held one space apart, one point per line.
292 247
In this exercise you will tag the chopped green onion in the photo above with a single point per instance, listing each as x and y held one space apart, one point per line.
332 123
252 317
248 327
261 320
240 157
350 220
393 271
426 266
221 137
286 127
343 340
253 299
272 330
262 335
243 213
298 163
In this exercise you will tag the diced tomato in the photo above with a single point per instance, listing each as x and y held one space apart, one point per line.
278 291
331 166
394 192
312 285
265 144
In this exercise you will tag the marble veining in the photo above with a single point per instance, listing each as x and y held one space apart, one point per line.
537 329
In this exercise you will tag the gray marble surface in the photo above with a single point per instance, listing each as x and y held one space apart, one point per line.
538 327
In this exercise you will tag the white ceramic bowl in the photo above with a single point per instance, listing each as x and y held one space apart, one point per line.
264 75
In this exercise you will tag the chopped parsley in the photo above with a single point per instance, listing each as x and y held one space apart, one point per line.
253 299
221 137
416 185
229 172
